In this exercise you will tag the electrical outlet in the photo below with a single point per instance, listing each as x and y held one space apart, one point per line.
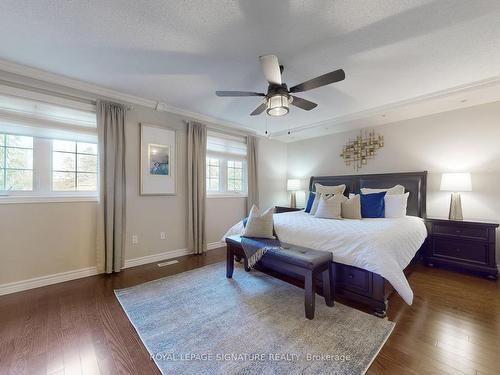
135 239
163 235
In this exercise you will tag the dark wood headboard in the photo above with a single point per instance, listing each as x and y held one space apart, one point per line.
414 182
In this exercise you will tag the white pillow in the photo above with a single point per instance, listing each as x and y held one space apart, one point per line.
330 207
395 190
259 225
395 205
315 204
351 208
323 189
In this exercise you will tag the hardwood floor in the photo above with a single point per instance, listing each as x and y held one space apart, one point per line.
78 327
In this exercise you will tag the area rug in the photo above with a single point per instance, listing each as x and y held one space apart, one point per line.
200 322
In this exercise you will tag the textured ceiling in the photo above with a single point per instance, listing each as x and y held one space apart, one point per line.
180 52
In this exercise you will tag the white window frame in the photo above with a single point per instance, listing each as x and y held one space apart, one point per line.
223 192
43 130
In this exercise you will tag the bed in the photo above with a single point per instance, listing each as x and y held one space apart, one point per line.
370 255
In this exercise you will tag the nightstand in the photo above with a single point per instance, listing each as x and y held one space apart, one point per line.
281 209
468 245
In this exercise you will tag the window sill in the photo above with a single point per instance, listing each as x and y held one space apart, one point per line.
225 195
19 199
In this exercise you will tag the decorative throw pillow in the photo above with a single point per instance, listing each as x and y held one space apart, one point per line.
259 225
395 190
351 208
330 207
310 201
323 189
315 203
395 205
373 205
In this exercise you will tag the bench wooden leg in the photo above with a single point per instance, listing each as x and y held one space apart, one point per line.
229 263
327 285
310 294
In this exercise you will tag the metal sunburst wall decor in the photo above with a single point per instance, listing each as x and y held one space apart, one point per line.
364 147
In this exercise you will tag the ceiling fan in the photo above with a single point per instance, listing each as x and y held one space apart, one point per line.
278 97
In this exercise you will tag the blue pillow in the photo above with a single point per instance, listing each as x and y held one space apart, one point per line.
310 201
373 205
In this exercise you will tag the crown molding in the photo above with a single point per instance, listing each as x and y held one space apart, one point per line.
484 83
102 92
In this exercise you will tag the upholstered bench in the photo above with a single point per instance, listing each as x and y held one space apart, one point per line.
305 262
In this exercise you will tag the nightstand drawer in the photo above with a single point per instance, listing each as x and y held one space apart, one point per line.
461 231
460 250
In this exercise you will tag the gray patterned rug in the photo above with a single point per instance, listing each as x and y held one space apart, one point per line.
199 322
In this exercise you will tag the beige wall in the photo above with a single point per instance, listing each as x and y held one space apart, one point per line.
463 140
41 239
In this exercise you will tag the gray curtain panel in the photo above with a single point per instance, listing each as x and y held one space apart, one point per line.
197 194
252 163
111 208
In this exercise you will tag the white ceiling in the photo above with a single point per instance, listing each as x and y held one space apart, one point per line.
180 52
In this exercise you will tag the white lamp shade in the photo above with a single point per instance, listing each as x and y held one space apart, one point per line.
293 184
456 182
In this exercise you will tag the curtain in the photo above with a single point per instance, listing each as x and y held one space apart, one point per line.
252 163
111 207
196 169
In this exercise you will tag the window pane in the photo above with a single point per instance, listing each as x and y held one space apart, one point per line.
214 171
214 185
19 180
230 185
86 181
68 146
237 185
2 139
230 164
237 164
63 161
230 173
63 181
19 141
86 148
87 163
237 173
19 158
2 155
2 186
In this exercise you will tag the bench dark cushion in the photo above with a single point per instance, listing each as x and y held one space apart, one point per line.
300 256
291 254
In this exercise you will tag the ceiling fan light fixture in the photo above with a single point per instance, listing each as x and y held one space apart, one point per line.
277 105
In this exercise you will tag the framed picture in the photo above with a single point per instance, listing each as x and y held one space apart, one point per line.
158 159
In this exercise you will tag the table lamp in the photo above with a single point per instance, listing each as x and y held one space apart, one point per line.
293 185
456 183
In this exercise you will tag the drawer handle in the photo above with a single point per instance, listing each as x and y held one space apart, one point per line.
458 231
458 250
351 276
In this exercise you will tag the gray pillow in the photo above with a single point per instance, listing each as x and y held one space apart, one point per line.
330 207
351 208
259 225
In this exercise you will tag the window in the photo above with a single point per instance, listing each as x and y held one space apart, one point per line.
47 151
74 166
213 174
16 163
235 175
226 165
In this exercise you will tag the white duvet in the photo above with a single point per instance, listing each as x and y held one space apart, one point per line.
383 246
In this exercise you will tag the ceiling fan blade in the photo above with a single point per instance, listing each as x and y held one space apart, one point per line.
259 109
303 103
238 93
271 68
325 79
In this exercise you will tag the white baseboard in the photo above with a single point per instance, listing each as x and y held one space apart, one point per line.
216 245
156 257
19 286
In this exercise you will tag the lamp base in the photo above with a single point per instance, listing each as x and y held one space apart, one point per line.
455 207
293 200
